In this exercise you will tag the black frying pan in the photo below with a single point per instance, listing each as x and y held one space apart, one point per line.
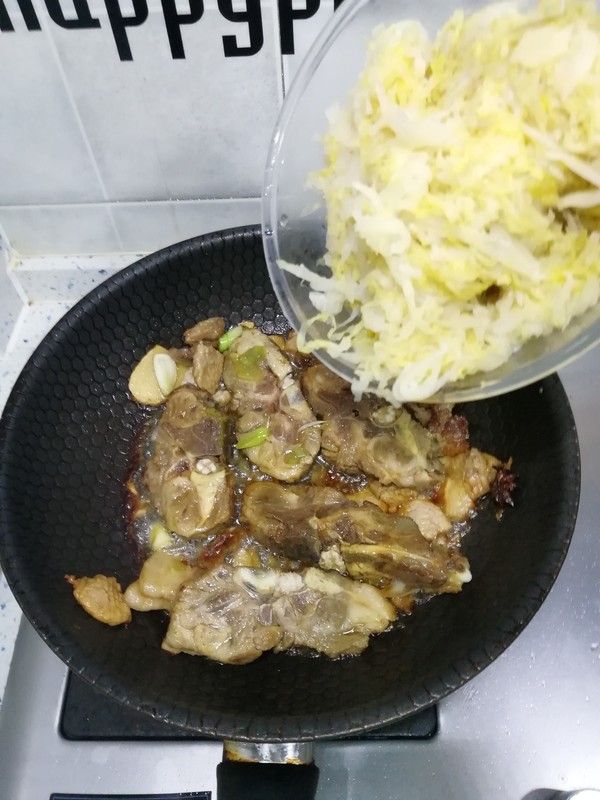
66 442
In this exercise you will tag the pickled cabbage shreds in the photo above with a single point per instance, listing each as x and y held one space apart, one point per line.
462 187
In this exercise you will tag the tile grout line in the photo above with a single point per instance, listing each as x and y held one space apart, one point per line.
145 203
5 242
82 130
11 260
280 62
11 270
16 329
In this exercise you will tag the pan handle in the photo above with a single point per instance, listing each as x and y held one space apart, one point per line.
267 772
247 781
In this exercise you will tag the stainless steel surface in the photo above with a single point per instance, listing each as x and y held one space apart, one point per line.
530 721
284 753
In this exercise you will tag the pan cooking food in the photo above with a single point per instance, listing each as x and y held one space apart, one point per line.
462 193
279 512
67 441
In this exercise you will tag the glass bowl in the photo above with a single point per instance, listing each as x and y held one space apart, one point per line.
293 213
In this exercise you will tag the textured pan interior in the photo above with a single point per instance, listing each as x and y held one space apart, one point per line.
65 447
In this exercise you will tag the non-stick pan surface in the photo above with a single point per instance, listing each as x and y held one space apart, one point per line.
66 444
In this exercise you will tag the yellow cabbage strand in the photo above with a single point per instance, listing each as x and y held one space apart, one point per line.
445 172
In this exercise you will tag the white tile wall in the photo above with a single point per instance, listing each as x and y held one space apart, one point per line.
183 129
78 228
150 226
43 155
120 227
87 139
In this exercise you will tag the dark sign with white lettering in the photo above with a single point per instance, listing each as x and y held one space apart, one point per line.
250 16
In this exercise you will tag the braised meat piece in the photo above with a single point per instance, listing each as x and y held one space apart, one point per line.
328 395
454 436
167 461
290 448
234 614
217 617
377 547
431 416
253 369
207 330
207 367
195 504
317 524
196 426
299 359
468 477
431 520
283 518
271 408
187 480
329 613
429 517
369 435
405 455
331 396
452 430
317 516
101 597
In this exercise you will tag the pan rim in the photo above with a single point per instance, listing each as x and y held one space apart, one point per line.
334 724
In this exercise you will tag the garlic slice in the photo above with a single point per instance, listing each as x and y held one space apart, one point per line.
143 383
165 371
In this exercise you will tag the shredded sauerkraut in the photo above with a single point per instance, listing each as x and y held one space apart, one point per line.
462 187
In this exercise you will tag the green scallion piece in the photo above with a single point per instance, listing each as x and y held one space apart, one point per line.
247 365
228 338
159 537
295 454
252 438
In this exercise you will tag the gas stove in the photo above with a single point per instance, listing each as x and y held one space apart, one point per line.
526 728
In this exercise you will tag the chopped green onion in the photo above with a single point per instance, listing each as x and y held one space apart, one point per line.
295 454
252 438
247 365
159 537
228 338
